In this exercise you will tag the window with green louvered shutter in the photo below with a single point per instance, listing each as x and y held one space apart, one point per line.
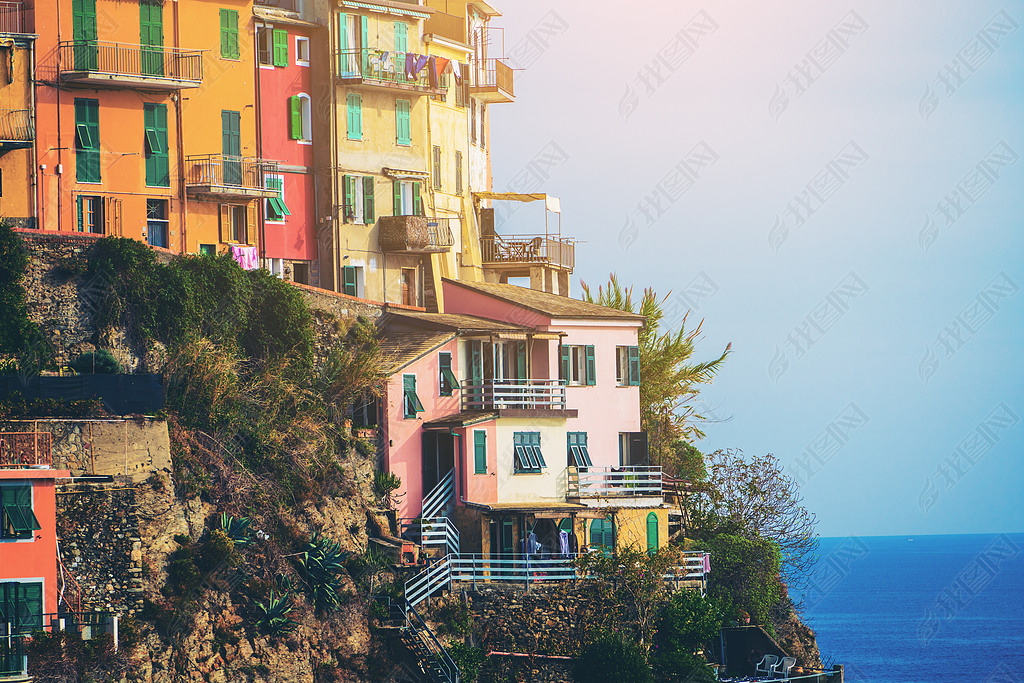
229 34
354 103
591 366
401 39
151 36
634 366
87 152
652 533
417 200
396 186
280 39
411 402
480 452
277 209
602 535
350 280
447 381
17 520
295 116
563 364
83 32
403 123
369 217
158 171
348 186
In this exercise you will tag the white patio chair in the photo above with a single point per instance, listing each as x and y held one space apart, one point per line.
766 664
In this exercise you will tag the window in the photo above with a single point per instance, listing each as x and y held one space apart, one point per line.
602 535
354 104
578 455
652 533
401 38
235 222
301 51
151 37
403 123
483 126
437 167
359 199
578 366
16 517
472 121
526 452
280 45
157 224
633 449
275 208
87 140
300 273
408 284
462 89
300 118
158 172
21 606
364 411
479 451
207 249
627 366
410 401
407 198
458 173
351 280
448 382
265 45
229 34
90 214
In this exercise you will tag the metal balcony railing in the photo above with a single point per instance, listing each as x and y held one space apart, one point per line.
526 568
26 449
228 174
492 80
432 532
13 18
289 5
614 482
447 26
388 68
528 249
498 394
89 60
17 125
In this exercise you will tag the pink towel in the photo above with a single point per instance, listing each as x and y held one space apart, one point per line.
245 256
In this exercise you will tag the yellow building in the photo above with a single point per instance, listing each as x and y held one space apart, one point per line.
17 118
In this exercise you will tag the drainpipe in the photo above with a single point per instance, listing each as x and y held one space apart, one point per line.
460 483
176 98
60 145
259 145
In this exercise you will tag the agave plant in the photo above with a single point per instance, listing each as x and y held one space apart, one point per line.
272 618
323 564
237 528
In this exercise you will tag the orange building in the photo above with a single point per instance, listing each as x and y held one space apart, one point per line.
17 127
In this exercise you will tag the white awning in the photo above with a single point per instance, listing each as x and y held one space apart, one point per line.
550 203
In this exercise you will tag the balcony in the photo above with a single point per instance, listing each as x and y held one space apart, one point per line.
387 70
415 234
447 26
492 81
17 129
219 177
516 251
286 5
14 18
614 482
99 64
515 394
26 450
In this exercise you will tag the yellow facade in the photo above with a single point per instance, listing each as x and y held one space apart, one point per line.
17 130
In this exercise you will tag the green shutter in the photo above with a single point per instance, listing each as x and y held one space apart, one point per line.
403 126
16 503
295 116
480 452
417 200
229 34
343 31
563 365
151 36
350 201
30 606
158 170
412 401
280 40
368 194
84 34
401 39
350 284
591 366
520 360
448 381
652 533
81 226
364 32
87 126
634 365
397 187
355 116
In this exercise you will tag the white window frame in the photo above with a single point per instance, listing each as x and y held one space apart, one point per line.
408 203
302 40
306 115
266 202
577 365
32 502
268 30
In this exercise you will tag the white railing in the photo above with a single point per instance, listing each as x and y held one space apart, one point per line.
482 568
436 576
439 497
600 482
495 394
695 567
437 532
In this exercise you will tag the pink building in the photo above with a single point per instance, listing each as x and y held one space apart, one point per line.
284 69
517 412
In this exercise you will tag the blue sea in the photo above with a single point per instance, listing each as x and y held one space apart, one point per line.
921 609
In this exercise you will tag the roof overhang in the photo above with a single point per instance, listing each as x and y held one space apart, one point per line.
389 7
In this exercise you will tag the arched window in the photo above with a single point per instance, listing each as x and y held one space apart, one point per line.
301 111
652 533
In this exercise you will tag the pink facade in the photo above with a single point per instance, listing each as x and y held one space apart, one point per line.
286 136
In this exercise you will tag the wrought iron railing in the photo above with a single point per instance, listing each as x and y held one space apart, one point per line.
388 67
440 231
529 249
17 124
122 59
617 482
491 73
26 449
219 170
13 17
496 394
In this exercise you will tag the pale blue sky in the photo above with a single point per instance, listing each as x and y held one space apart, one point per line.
871 140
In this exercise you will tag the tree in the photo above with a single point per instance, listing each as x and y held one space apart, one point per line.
756 499
669 380
688 623
612 659
745 573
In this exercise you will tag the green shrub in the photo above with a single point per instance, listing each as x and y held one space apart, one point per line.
468 659
237 529
272 617
612 659
100 362
688 622
322 564
19 336
746 573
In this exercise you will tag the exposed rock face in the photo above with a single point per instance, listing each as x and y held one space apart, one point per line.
799 641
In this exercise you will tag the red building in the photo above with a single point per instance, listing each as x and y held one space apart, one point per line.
284 68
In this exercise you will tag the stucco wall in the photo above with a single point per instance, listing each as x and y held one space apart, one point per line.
550 484
34 559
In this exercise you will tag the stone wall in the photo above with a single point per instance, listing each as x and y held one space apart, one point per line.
130 448
100 545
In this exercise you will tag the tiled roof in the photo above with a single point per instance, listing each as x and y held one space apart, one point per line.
463 419
450 321
551 305
402 348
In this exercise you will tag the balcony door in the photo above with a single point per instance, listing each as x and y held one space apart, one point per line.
151 37
231 126
353 38
83 32
437 459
